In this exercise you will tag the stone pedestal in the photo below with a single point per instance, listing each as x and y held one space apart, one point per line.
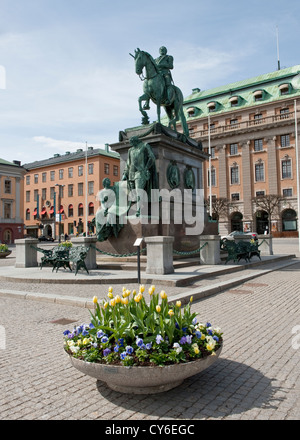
90 260
266 247
159 255
210 253
26 256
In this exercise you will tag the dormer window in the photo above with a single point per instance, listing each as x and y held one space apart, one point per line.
258 95
234 101
192 111
212 106
285 88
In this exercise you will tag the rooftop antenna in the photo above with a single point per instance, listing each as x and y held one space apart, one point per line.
278 61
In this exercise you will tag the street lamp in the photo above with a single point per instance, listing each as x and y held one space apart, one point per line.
59 204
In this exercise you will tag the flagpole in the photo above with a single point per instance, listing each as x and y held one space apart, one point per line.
209 167
297 171
86 192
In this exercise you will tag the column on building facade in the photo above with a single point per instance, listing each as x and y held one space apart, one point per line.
18 200
272 166
246 181
222 172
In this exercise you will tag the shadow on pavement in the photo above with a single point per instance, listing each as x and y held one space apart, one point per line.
225 389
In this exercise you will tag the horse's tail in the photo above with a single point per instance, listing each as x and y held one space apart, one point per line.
183 122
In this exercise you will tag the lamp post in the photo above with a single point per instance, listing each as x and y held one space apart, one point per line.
59 213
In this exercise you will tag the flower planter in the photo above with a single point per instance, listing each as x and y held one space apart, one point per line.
144 380
5 254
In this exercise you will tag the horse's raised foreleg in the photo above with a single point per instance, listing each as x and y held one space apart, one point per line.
145 97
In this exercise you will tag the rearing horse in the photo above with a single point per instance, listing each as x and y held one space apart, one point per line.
155 89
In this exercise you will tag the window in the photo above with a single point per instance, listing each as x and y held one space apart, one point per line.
91 208
258 118
284 89
7 187
234 101
28 180
70 211
44 177
80 209
285 140
234 175
91 188
70 172
233 122
52 191
258 95
258 145
61 174
52 175
91 168
27 214
36 178
235 197
80 170
233 149
106 168
286 169
116 170
284 113
44 193
211 106
70 190
259 193
287 192
213 177
7 210
212 152
35 194
27 196
80 189
259 172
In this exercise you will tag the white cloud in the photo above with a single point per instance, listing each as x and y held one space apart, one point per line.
61 145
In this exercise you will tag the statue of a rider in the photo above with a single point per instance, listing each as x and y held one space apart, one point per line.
164 64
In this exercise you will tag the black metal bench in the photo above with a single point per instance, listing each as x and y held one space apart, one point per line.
240 250
61 256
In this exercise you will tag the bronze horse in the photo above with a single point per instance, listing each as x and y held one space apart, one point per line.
155 89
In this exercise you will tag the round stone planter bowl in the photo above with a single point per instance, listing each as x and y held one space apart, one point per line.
5 254
144 380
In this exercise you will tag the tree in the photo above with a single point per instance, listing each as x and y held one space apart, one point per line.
219 206
268 203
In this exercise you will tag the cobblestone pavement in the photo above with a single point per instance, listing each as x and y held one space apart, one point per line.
256 377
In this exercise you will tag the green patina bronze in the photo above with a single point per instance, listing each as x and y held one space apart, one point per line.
189 178
140 171
108 217
173 174
159 88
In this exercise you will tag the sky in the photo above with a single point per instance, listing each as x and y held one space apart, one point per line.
67 79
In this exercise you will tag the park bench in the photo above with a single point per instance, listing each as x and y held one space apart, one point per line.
240 250
61 256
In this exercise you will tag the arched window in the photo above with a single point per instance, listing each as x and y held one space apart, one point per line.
70 211
80 210
28 214
91 208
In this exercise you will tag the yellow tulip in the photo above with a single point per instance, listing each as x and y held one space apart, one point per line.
105 305
124 301
158 309
178 304
134 292
138 297
128 292
171 313
95 299
110 289
117 299
191 299
163 294
110 295
113 302
142 288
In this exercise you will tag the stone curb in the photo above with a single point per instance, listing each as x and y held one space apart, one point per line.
197 294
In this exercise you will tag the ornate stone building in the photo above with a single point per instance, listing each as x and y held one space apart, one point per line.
60 193
11 201
253 150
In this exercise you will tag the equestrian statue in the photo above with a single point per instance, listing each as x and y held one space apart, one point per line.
159 88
